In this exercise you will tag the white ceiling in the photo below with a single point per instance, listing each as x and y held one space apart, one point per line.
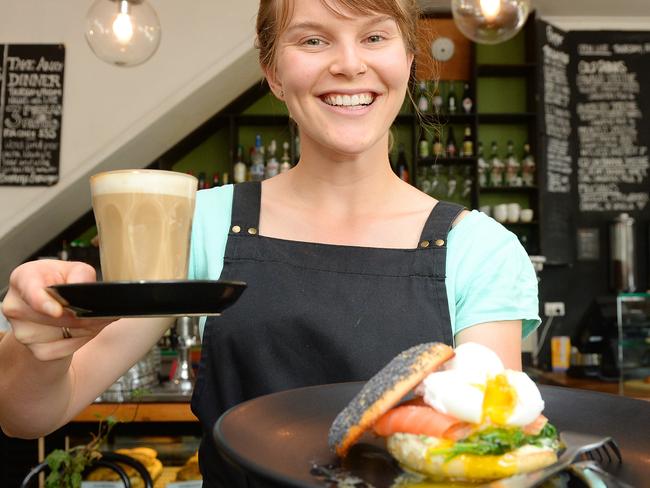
573 8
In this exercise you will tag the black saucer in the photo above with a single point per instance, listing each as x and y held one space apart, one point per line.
148 298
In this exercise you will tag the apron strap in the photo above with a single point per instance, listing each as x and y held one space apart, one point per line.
439 222
247 198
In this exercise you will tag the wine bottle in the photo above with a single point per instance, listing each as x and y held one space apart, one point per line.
423 99
402 168
513 167
423 146
496 166
438 149
482 167
451 144
468 143
257 160
438 102
239 169
451 99
272 167
467 101
528 167
285 161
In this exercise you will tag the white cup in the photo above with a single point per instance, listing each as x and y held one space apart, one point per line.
500 213
526 215
485 209
514 209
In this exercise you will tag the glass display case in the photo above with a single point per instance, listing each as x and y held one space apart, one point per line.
633 321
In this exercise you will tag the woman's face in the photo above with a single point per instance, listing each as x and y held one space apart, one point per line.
342 78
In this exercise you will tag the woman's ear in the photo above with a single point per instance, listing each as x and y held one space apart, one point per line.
274 83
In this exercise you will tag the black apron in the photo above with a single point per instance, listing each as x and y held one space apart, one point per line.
313 314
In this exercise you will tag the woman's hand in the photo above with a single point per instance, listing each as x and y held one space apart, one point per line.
38 320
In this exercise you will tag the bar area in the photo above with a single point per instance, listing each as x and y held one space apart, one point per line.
246 350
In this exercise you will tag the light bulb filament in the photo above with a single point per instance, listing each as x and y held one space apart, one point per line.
490 9
123 24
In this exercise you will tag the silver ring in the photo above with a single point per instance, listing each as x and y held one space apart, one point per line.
66 332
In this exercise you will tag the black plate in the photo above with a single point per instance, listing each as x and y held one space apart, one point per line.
148 298
280 437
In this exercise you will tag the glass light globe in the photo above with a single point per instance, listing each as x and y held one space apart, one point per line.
490 21
122 32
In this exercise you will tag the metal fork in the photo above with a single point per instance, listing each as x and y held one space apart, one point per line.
594 476
576 444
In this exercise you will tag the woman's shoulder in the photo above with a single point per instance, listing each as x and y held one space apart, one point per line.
475 226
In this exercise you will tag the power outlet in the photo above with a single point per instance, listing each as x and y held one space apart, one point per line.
554 309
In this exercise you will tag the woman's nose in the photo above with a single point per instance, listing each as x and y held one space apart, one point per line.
348 61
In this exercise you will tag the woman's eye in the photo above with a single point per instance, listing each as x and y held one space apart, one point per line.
313 42
375 38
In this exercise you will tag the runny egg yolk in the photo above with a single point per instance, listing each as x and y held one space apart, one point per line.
499 401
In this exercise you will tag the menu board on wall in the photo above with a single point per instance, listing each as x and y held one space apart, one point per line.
611 96
556 148
31 101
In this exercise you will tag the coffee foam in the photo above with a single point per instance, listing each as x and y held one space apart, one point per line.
144 181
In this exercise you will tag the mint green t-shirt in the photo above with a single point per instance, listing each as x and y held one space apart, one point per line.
489 275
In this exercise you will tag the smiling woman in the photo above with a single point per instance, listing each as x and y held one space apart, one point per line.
346 264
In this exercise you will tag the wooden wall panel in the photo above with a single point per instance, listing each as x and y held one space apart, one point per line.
458 67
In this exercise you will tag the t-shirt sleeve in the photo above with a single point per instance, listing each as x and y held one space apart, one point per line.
210 225
490 276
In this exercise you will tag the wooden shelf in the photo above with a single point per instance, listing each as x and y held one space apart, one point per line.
138 412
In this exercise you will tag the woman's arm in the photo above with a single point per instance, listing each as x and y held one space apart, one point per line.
503 337
46 379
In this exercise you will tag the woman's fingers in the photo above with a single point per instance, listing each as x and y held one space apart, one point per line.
37 319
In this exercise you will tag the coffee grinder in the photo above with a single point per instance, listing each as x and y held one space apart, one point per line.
182 380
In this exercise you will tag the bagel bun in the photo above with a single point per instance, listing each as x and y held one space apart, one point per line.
383 391
413 454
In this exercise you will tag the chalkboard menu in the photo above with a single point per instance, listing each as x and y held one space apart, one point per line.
556 138
611 96
31 101
595 137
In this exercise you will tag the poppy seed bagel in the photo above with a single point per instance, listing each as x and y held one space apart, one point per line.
383 391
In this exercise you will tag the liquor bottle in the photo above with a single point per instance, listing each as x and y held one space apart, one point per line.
467 101
296 144
272 165
496 166
225 178
202 182
438 101
257 160
423 146
215 179
438 149
451 99
451 144
402 168
468 182
285 161
468 143
482 167
528 167
239 169
513 167
423 98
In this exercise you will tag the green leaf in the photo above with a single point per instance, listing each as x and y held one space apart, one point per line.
56 458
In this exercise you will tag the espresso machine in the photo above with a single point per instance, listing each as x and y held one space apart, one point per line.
597 333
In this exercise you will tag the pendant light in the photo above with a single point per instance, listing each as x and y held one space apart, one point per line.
122 32
490 21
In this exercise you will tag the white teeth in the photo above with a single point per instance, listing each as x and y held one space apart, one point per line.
349 100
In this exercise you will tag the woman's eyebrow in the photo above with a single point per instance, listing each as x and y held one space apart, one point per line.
306 25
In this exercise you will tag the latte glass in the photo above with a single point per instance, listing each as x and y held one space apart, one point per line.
144 220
